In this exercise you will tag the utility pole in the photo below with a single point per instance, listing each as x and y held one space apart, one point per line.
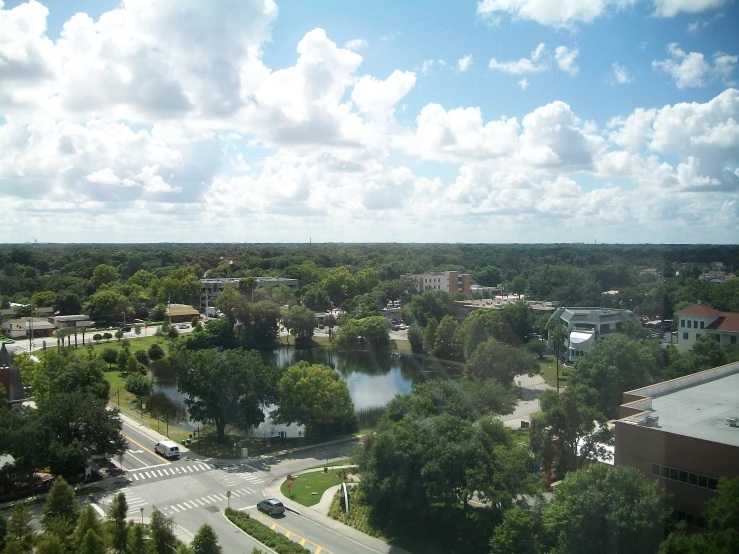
169 308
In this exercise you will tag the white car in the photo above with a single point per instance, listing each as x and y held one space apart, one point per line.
402 327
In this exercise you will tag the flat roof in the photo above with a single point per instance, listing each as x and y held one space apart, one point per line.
700 410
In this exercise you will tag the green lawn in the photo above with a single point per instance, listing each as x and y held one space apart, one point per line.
136 344
549 373
307 483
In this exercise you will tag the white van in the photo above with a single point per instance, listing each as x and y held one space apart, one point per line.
168 449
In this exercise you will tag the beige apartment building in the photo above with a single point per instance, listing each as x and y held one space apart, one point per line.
448 281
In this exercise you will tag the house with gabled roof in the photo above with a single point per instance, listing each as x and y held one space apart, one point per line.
697 320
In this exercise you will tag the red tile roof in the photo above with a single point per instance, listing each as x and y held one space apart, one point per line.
726 322
699 310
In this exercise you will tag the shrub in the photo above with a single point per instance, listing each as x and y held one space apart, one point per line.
277 542
142 357
97 337
107 337
156 352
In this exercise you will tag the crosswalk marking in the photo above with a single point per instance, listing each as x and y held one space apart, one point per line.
149 473
135 476
175 509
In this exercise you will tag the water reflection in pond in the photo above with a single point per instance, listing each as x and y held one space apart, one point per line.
373 378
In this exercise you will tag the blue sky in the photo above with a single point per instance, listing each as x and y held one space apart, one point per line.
469 121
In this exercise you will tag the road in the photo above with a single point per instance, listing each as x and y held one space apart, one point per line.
192 491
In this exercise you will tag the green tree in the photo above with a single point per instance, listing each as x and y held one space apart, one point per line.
569 430
429 335
97 337
139 385
430 304
20 534
50 544
247 286
229 387
415 337
722 520
137 329
156 352
97 431
137 541
103 274
537 347
60 511
476 332
311 395
613 365
444 341
92 544
520 532
132 365
122 359
501 362
86 521
142 357
606 509
117 515
301 321
181 285
162 531
107 337
107 305
206 541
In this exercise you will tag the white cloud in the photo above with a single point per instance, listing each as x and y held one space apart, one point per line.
464 63
565 58
355 44
177 98
378 98
426 66
622 74
553 13
671 8
523 65
692 69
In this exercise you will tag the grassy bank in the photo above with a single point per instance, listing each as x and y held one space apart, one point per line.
260 532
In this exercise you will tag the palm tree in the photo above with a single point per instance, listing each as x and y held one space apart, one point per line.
330 323
59 334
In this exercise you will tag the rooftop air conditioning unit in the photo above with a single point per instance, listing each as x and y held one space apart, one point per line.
652 421
732 421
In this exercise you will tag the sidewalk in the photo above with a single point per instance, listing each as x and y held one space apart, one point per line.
145 430
272 490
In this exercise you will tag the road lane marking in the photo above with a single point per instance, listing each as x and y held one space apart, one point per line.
135 476
273 526
159 471
142 446
181 507
128 452
175 509
212 499
251 490
188 504
295 537
302 542
318 550
199 502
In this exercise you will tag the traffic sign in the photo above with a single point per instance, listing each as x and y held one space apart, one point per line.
289 485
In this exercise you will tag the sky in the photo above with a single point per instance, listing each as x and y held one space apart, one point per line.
495 121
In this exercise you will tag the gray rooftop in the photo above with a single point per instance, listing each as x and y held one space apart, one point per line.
700 410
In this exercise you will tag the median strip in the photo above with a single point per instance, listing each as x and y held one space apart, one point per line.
286 543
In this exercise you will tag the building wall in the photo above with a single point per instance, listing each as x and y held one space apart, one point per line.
640 446
690 328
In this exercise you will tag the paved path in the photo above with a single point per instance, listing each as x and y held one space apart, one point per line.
531 389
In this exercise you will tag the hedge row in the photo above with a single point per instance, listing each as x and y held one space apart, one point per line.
279 543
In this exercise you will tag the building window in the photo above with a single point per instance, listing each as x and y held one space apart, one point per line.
682 323
733 339
685 336
687 477
689 323
697 336
702 323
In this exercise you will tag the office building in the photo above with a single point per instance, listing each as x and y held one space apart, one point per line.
684 434
585 325
448 281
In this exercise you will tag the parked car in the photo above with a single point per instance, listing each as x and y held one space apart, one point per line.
183 326
395 328
272 506
9 341
402 327
126 328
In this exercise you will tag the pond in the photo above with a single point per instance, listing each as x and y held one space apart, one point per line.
373 378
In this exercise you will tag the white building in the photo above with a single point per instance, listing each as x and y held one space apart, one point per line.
698 320
585 325
80 320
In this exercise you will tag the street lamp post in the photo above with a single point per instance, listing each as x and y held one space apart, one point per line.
142 515
118 392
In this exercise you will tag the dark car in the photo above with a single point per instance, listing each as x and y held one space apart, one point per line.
126 328
271 506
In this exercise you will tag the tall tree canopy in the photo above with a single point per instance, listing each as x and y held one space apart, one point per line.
229 387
